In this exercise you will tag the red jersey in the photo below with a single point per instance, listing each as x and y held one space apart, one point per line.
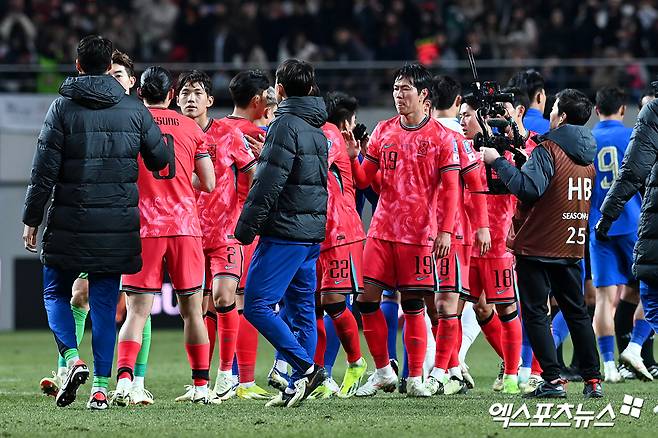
218 210
247 128
167 205
411 162
344 225
501 210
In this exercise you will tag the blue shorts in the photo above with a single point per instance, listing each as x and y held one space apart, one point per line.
612 260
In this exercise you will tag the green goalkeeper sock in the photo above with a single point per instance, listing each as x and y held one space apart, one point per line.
80 317
143 356
100 382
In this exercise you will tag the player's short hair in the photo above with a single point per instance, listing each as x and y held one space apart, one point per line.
270 97
530 82
520 97
247 84
609 100
195 77
445 90
94 54
471 101
575 104
297 77
419 76
650 91
120 58
341 107
154 84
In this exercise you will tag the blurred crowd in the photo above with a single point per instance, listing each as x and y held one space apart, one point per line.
266 31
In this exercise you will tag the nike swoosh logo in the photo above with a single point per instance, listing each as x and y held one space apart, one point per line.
338 281
422 278
386 146
500 292
229 267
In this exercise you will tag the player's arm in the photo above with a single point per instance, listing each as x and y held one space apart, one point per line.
45 170
376 183
244 156
274 166
638 160
363 173
152 148
478 207
204 174
448 204
531 181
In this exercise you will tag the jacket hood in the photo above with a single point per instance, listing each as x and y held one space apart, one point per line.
576 141
309 108
95 92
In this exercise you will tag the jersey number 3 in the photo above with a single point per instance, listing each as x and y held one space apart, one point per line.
171 153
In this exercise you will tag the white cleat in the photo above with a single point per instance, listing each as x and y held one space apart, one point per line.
498 383
201 395
141 396
376 382
634 360
121 395
612 374
225 386
189 393
533 382
434 385
417 388
98 401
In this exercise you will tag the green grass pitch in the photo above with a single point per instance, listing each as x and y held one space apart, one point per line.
25 357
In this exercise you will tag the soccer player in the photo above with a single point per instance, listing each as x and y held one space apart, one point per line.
270 108
612 260
249 92
532 82
414 154
340 271
218 214
170 232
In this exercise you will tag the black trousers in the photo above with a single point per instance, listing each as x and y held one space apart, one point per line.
536 280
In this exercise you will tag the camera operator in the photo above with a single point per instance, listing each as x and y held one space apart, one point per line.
548 237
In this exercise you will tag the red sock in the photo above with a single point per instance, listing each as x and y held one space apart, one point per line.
453 362
376 333
321 346
415 339
446 337
535 368
227 330
127 352
197 356
511 340
492 331
210 319
435 329
348 333
246 350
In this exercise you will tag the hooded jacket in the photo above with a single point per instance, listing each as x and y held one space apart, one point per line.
640 168
87 152
288 198
554 187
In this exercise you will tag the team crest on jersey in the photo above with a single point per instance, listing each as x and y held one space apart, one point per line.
455 151
212 151
469 149
329 144
422 148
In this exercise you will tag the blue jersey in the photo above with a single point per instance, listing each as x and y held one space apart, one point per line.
612 138
534 121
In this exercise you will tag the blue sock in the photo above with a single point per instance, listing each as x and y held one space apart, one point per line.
405 361
526 351
560 329
641 331
235 370
390 309
333 344
607 347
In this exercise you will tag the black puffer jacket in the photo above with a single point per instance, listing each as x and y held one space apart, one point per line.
289 196
640 167
87 150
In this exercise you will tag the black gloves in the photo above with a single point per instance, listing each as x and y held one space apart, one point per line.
602 227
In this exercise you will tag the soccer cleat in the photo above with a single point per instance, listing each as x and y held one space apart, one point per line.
50 385
593 389
189 392
352 380
278 380
98 401
395 366
498 383
225 386
434 385
402 386
328 389
533 382
510 385
470 382
455 385
653 370
548 390
121 395
279 400
634 361
201 395
627 373
141 396
253 392
77 375
612 374
312 381
572 374
417 388
376 382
